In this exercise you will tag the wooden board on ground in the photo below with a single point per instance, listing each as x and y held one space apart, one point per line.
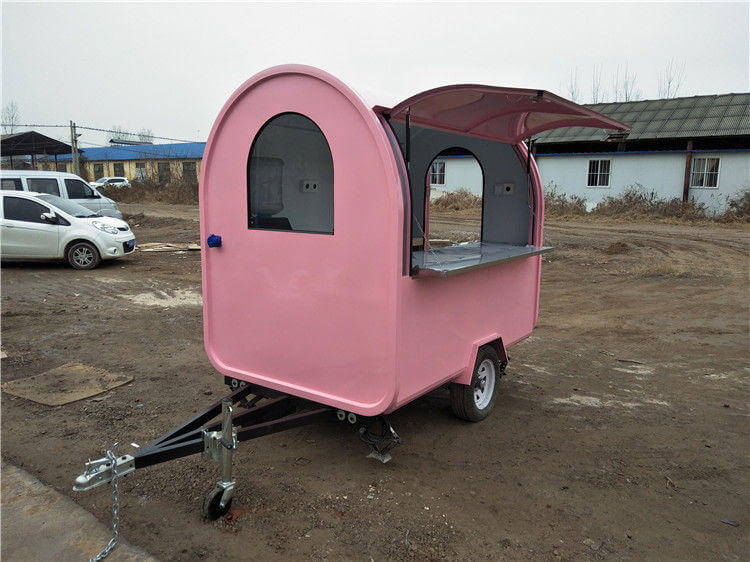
167 247
65 384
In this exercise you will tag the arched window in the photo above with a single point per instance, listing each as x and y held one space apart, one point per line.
454 195
290 177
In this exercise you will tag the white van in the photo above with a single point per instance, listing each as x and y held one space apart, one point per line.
62 184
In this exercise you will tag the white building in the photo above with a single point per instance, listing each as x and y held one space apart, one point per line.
687 148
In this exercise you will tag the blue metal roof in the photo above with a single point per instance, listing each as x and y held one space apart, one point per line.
180 150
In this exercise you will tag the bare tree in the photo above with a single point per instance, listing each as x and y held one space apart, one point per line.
146 135
120 133
11 117
572 87
597 91
671 79
624 86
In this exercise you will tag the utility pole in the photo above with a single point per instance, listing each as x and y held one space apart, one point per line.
74 149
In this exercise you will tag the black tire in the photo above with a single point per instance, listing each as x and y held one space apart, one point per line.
463 401
211 504
83 255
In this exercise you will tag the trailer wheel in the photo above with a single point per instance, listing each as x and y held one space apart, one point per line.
212 509
474 402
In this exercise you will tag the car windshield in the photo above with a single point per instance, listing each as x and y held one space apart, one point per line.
66 205
101 180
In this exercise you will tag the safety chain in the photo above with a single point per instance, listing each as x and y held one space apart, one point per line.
115 510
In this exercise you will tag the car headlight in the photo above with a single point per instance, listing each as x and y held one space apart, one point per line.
104 227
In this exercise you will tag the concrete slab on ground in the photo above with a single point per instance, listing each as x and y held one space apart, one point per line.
39 523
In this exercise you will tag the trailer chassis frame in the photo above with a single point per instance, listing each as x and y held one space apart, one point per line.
240 419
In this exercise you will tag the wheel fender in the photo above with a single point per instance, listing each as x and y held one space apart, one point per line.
495 341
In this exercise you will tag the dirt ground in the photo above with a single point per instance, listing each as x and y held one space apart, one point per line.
621 430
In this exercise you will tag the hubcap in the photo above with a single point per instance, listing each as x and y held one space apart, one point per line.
83 256
485 384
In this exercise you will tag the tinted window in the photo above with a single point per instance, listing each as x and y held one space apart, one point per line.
12 183
290 177
78 189
114 180
17 209
43 185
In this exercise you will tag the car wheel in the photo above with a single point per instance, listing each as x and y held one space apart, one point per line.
83 255
474 402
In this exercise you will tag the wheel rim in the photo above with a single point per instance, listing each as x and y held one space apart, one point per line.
83 256
484 387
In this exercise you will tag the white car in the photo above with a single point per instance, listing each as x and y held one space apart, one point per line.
36 226
118 181
68 186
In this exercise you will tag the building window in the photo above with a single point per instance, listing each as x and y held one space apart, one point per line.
188 171
704 172
62 167
598 173
98 171
437 173
290 177
162 169
119 169
140 171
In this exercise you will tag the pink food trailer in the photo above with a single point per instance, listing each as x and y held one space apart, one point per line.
324 291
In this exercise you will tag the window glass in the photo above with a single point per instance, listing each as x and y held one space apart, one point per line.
78 189
98 171
119 168
62 167
704 172
43 185
188 171
70 207
15 208
12 183
140 171
290 177
455 196
162 169
598 175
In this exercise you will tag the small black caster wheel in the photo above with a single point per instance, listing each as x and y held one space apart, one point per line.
212 509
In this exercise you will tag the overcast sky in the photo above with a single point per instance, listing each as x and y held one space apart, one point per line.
171 67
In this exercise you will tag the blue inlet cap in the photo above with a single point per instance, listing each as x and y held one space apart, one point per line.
214 241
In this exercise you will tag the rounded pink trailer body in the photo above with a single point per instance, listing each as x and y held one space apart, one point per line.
348 315
321 286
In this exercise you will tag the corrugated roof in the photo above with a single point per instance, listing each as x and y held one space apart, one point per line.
180 150
725 115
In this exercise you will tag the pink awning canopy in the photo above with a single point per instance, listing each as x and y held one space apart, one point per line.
503 114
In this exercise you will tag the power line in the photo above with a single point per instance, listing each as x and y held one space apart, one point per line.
91 129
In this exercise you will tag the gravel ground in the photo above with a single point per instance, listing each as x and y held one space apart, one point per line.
621 430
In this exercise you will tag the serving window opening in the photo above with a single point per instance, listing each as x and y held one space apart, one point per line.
454 195
290 177
471 201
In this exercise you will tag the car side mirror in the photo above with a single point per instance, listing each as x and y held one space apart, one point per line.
49 217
